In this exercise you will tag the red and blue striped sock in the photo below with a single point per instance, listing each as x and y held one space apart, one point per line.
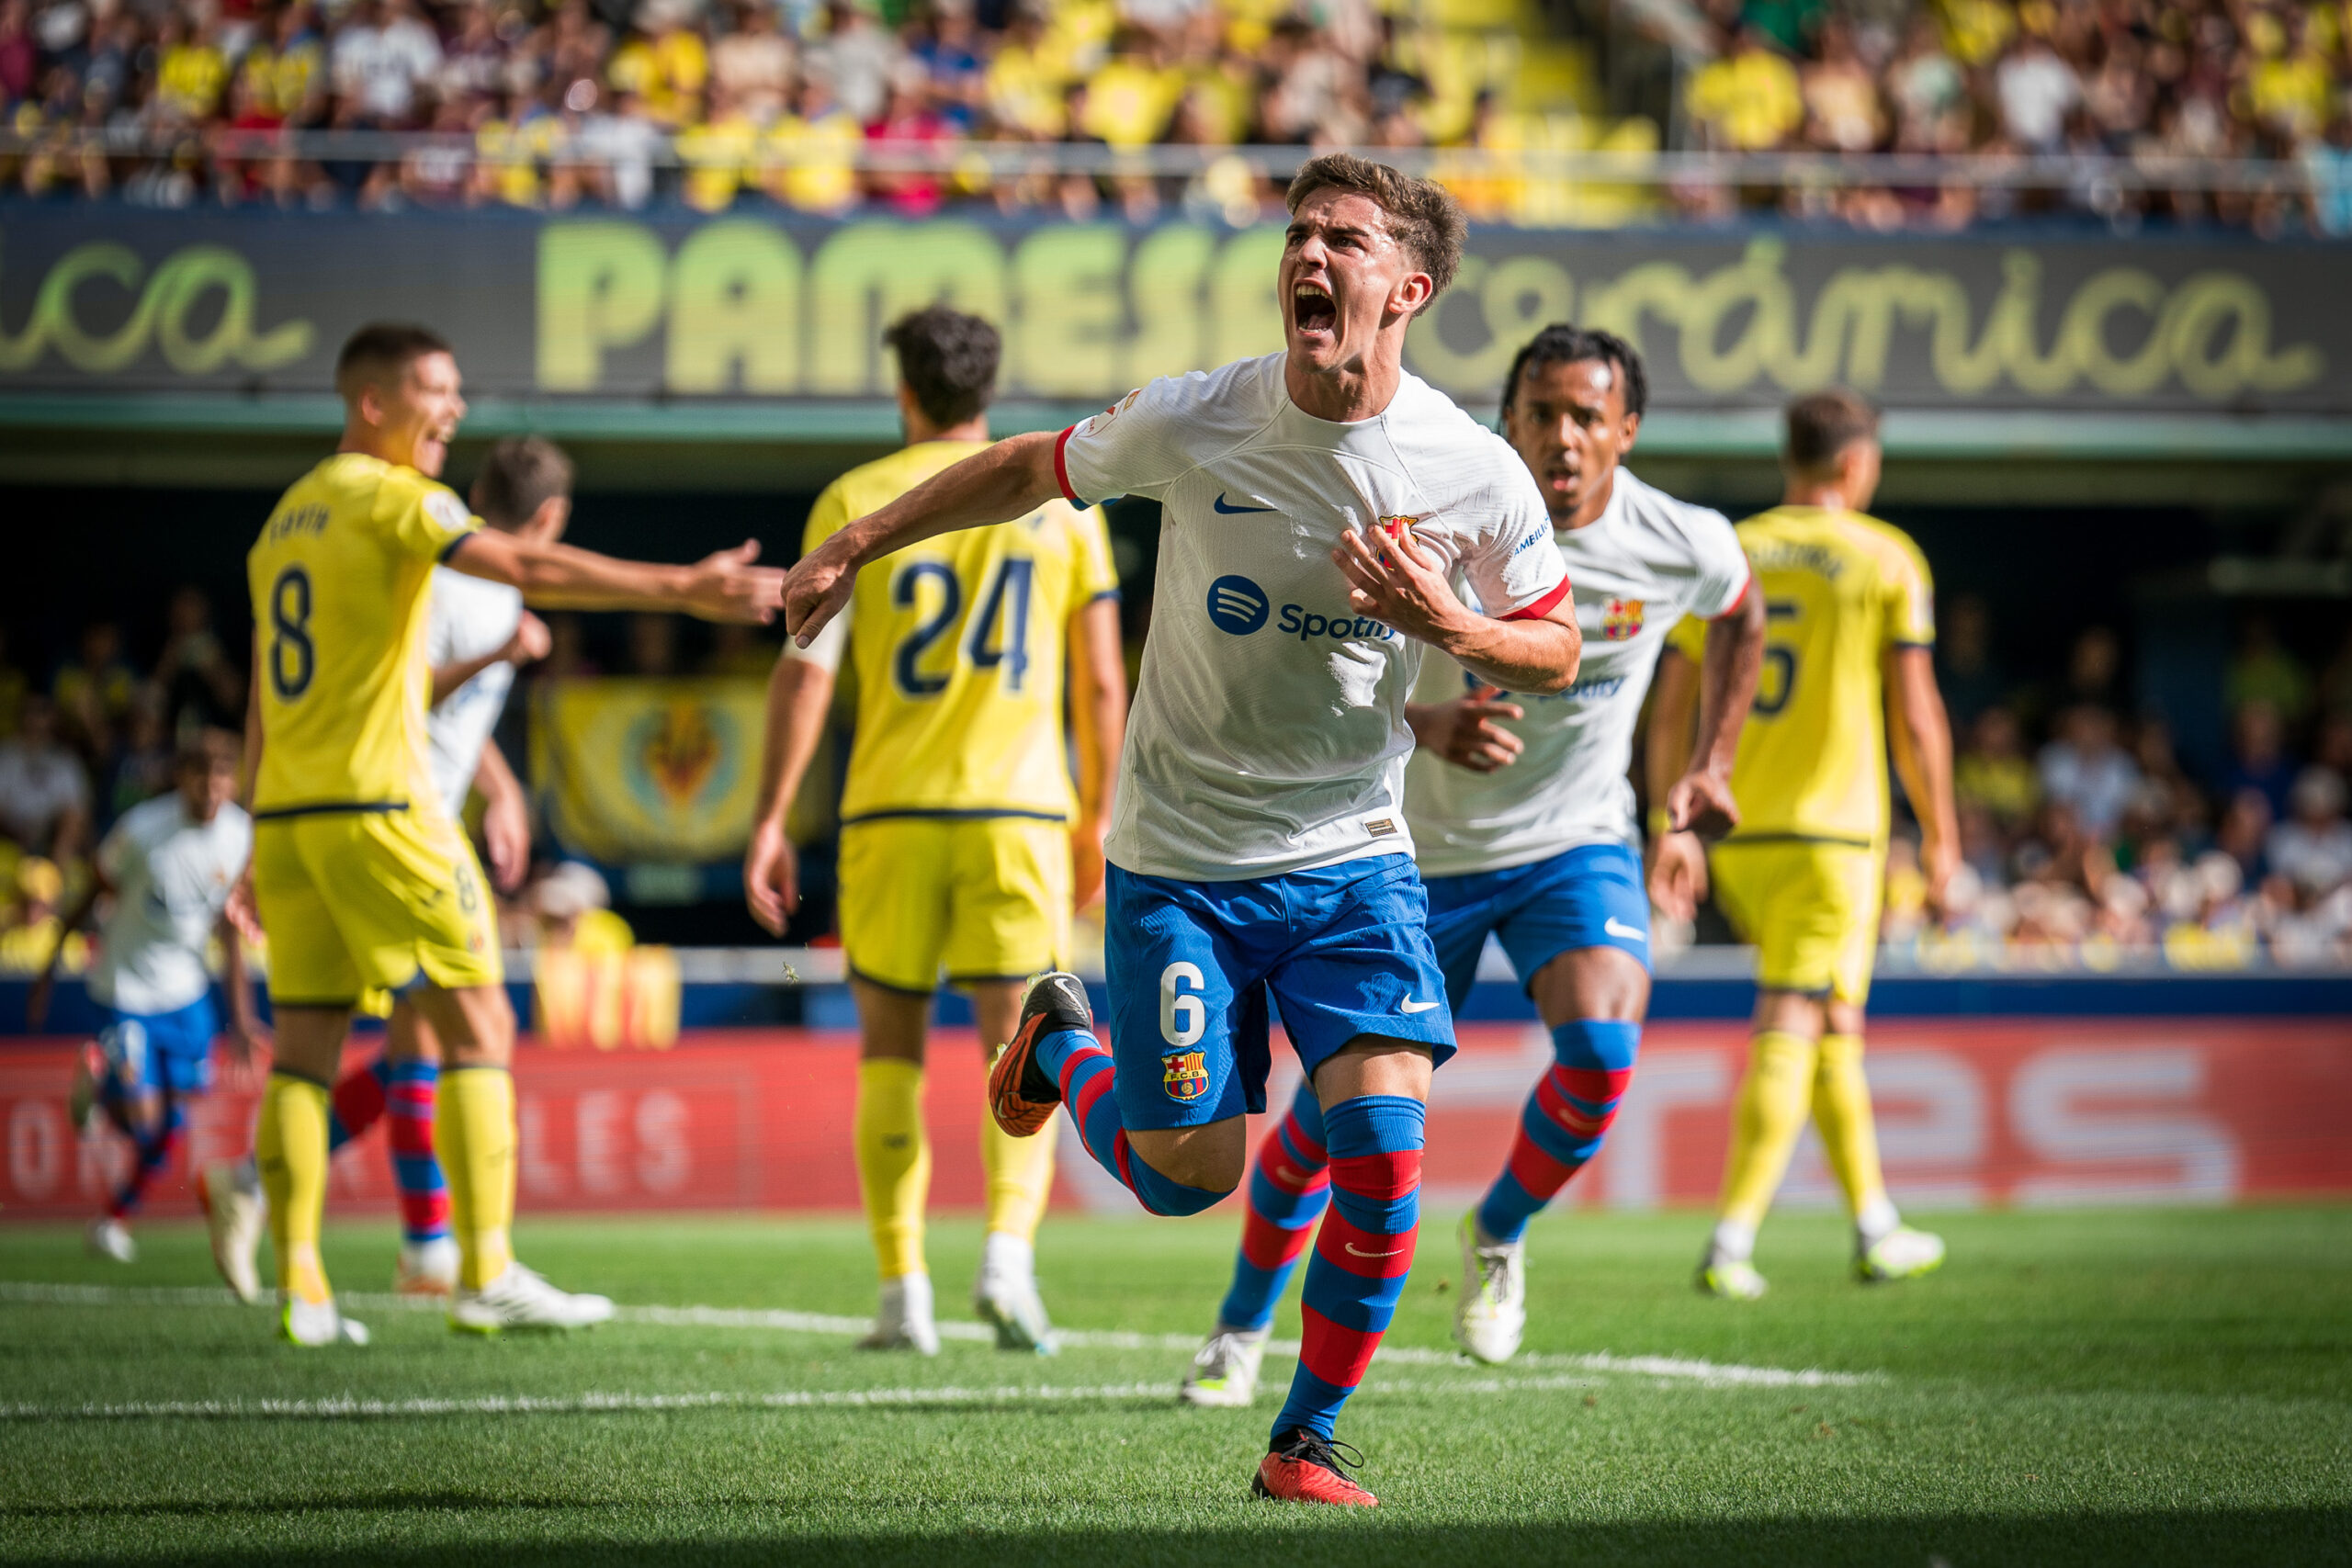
1362 1252
405 1092
1084 1070
1288 1191
151 1151
1565 1120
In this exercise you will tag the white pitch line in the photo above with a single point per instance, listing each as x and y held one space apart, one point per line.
1671 1368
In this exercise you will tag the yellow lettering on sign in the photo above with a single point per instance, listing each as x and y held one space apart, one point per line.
600 287
869 274
166 312
735 302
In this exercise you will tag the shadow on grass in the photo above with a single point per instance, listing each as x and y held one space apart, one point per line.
2195 1539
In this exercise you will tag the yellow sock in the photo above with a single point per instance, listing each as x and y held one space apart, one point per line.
1020 1177
893 1162
290 1147
473 1127
1766 1121
1842 1108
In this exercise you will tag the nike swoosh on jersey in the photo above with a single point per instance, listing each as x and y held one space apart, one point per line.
1622 932
1355 1251
1409 1005
1235 511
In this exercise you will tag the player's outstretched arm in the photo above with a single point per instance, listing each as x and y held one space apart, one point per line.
1700 798
1014 476
1919 732
1678 862
1403 585
1467 731
244 1023
1098 722
724 586
799 692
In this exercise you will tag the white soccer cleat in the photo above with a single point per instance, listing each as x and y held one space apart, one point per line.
904 1320
111 1238
519 1298
317 1323
1901 1254
1492 1316
1012 1307
427 1268
234 1213
1733 1279
1223 1374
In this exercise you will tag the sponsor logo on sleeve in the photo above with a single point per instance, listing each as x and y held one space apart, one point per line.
447 510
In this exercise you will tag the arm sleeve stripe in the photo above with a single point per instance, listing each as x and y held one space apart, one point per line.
450 549
1733 608
1541 607
1910 642
1061 468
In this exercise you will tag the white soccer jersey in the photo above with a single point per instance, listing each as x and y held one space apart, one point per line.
470 616
1646 561
172 878
1269 729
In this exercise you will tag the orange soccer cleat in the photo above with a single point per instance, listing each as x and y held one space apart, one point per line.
1305 1467
1021 1093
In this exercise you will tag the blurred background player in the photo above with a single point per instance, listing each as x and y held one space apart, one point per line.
361 879
476 635
1849 616
167 869
963 847
1314 503
1524 822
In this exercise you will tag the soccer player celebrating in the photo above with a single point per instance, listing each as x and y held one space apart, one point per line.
962 844
477 632
168 868
1315 504
1523 818
360 877
1850 626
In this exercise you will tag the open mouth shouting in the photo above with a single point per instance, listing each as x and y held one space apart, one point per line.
1314 313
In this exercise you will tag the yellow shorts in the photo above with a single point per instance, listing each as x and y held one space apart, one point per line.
983 898
1810 908
361 901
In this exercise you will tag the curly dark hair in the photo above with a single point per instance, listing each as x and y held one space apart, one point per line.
1561 343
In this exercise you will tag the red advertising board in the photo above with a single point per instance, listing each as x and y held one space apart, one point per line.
1970 1114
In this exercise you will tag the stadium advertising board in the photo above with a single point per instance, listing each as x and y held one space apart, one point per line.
633 308
1971 1115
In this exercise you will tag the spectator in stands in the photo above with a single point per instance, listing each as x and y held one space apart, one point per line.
1750 100
1967 669
1843 113
754 63
44 790
201 687
141 767
2259 762
856 59
2092 667
2312 848
1993 773
2265 672
2244 832
94 690
2036 91
2086 770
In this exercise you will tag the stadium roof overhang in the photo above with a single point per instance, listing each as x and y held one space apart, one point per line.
2042 457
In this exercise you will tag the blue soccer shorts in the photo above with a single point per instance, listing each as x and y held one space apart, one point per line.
163 1050
1342 952
1591 896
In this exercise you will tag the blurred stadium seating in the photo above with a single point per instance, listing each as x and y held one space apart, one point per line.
1925 115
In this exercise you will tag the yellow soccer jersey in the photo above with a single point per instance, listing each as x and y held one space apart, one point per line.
1839 590
340 581
957 646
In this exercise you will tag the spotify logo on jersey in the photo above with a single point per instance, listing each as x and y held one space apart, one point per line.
1237 606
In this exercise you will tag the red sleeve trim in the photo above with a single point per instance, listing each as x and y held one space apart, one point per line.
1061 467
1733 608
1541 607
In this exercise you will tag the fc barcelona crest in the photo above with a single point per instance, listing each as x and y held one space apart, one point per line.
1185 1074
1620 619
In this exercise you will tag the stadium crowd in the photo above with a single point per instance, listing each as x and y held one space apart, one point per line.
2093 847
717 102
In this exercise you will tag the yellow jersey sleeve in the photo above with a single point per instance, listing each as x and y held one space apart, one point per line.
828 517
1092 574
421 517
1688 637
1909 604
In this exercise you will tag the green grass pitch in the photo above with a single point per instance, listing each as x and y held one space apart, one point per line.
2121 1387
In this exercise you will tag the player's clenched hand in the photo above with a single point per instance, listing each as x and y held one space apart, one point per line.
726 586
771 876
1467 732
507 831
530 643
1392 578
818 587
1701 803
1678 874
1938 860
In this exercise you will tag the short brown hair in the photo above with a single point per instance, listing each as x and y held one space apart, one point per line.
521 474
380 348
1822 424
1423 217
948 361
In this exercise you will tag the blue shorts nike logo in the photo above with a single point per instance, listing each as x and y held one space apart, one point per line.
1235 511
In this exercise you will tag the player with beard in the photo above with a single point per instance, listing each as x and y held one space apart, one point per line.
1317 504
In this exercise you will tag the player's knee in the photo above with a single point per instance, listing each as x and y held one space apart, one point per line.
1165 1195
